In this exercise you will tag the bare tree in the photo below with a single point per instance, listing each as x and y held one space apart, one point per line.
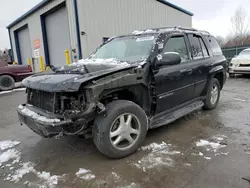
240 23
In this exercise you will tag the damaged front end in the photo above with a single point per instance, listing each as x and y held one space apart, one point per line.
49 114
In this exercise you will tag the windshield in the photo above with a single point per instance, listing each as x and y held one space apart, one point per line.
245 53
132 48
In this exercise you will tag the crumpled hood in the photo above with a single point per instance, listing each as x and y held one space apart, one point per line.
70 78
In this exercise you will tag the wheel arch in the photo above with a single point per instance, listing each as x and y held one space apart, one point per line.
218 73
138 94
8 74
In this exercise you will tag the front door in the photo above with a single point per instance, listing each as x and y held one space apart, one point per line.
174 83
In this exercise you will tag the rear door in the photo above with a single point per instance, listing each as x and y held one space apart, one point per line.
201 62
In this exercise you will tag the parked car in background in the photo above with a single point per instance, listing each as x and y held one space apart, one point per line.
130 84
240 64
9 74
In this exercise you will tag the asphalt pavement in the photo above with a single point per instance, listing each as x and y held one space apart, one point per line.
206 149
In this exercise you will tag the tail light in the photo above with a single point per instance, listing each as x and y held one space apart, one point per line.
30 68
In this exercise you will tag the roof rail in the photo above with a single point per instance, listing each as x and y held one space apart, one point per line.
175 28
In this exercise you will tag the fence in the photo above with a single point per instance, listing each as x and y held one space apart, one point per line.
230 52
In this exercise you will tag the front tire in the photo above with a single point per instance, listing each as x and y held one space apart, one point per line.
213 94
121 130
6 83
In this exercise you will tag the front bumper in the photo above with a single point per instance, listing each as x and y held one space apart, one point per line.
45 128
239 70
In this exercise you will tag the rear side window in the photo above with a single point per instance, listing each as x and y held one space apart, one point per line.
204 48
195 47
214 45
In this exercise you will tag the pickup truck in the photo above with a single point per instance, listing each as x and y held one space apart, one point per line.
9 74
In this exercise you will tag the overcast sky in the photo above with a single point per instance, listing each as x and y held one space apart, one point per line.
211 15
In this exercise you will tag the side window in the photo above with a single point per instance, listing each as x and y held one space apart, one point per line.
195 47
177 44
204 49
215 47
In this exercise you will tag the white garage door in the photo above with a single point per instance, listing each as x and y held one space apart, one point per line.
57 31
24 45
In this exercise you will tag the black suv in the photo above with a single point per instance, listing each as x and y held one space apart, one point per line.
130 84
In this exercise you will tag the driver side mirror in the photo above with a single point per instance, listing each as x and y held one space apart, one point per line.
170 58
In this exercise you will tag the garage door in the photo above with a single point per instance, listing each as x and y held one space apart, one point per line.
58 40
24 45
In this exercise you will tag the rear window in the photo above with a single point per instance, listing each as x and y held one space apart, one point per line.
215 47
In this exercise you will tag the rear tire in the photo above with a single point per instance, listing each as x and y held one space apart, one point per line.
120 130
213 94
231 75
6 83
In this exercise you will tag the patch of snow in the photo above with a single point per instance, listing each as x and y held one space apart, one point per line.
241 100
115 175
159 156
204 143
208 158
47 180
10 91
132 185
137 32
140 39
220 138
11 154
154 146
110 61
7 144
50 181
85 174
200 154
36 116
25 169
87 177
224 153
187 164
82 171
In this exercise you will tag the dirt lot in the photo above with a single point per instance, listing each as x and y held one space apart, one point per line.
204 149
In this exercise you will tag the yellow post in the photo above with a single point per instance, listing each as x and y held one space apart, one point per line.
66 53
28 61
41 64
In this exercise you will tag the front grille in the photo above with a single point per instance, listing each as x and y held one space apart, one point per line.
41 99
244 65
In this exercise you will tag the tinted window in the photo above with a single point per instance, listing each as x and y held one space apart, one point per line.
204 49
177 44
215 47
195 47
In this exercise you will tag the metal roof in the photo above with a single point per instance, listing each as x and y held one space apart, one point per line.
31 11
176 7
44 2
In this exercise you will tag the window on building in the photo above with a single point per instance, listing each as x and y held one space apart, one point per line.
196 48
177 44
